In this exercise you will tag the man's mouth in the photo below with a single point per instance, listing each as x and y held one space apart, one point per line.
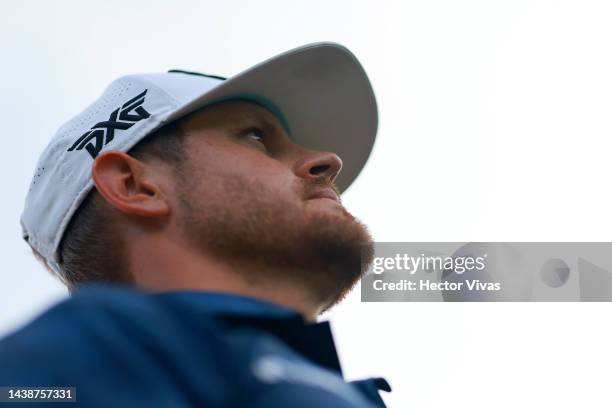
326 193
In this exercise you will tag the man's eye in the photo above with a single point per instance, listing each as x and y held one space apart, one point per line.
255 134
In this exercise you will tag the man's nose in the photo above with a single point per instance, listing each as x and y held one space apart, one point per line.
319 165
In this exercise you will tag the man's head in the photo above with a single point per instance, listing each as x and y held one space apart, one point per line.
227 183
169 175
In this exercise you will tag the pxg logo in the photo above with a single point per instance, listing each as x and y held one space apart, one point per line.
102 133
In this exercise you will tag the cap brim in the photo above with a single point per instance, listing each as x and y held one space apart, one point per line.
323 93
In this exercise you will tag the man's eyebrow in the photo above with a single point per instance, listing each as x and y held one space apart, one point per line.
268 125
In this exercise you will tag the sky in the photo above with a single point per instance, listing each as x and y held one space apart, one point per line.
494 126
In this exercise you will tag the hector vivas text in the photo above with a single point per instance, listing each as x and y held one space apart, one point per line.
410 267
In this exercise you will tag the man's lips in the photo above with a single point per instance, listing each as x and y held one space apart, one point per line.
325 193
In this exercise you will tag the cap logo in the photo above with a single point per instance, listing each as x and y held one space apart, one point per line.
102 133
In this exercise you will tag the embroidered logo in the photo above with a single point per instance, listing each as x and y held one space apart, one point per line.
102 133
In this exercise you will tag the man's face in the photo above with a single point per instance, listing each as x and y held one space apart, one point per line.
252 196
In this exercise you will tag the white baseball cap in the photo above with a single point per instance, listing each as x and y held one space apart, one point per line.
319 92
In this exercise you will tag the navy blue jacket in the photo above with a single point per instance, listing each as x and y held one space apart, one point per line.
123 348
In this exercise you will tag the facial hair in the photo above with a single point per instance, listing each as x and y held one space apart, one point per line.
246 223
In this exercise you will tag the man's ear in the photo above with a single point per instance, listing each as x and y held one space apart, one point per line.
129 185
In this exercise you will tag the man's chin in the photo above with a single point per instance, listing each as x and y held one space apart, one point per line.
337 246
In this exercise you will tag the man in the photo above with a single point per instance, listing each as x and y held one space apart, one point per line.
197 225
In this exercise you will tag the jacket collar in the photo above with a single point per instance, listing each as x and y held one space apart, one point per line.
312 340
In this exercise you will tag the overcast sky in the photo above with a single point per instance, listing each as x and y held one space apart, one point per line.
494 126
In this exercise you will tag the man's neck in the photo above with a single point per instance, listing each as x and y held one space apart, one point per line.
170 267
